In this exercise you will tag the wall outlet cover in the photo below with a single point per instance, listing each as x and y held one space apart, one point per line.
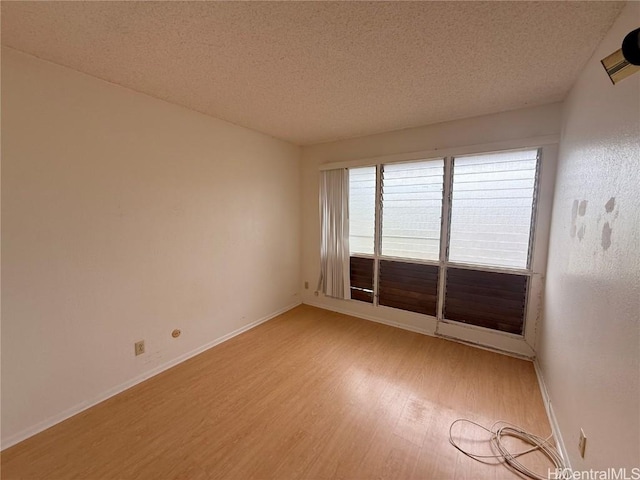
582 443
139 347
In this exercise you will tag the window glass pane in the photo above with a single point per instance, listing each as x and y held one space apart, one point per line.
362 209
491 207
412 209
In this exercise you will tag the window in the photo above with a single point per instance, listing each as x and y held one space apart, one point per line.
480 254
486 299
408 286
491 206
362 209
362 214
412 208
410 213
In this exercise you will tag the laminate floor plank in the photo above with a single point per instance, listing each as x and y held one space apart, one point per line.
311 394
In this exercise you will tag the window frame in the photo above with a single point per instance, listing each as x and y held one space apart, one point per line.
443 263
377 236
527 271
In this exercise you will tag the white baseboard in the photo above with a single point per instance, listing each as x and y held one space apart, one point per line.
424 331
553 421
50 422
371 318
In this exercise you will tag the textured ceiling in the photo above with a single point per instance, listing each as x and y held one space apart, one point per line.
310 72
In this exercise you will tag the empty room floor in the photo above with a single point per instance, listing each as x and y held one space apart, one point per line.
310 394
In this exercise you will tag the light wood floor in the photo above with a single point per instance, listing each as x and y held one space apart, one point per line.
310 394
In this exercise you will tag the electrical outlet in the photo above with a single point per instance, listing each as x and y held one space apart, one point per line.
306 285
139 347
582 443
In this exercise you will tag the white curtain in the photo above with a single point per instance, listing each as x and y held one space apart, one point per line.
334 231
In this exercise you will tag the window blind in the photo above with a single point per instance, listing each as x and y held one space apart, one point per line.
491 208
362 209
412 209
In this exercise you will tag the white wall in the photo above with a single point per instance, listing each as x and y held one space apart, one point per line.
124 217
590 340
502 128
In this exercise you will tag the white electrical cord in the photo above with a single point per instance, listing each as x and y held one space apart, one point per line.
502 429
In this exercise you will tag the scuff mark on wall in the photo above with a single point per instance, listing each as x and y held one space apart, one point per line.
607 228
574 216
610 205
579 221
581 232
582 209
578 209
606 236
